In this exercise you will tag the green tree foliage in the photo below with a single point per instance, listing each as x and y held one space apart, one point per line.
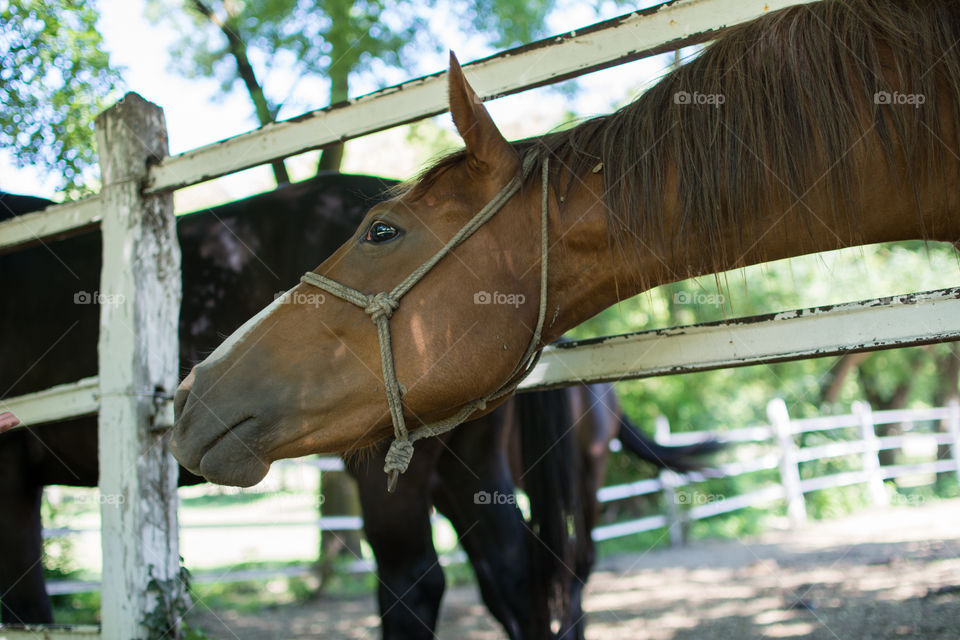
737 397
249 41
55 77
734 398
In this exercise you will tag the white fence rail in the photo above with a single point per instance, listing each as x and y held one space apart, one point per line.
51 223
787 456
913 319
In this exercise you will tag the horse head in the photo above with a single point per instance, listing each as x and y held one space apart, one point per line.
306 374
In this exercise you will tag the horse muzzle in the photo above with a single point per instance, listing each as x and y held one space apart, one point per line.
216 445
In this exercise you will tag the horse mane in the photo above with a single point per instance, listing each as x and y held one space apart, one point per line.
798 88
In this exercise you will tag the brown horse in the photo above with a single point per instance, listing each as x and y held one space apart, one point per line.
817 127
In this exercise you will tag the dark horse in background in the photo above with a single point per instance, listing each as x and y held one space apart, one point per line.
236 258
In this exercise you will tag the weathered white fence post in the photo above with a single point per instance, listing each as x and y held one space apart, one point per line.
676 517
871 451
953 426
789 465
139 304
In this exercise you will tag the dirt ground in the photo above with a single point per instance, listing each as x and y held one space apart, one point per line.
892 573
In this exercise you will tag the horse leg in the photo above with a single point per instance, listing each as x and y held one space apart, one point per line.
23 593
476 492
574 627
398 528
595 412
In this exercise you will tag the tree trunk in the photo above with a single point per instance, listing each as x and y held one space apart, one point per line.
949 390
897 400
833 380
331 157
339 498
238 49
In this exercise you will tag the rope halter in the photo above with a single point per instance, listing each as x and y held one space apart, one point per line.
380 308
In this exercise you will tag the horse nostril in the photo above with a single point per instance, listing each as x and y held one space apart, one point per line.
180 397
179 402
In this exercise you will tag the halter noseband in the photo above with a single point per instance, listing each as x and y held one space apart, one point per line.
380 308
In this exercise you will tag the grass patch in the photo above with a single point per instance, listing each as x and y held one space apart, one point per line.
748 522
635 543
232 499
76 608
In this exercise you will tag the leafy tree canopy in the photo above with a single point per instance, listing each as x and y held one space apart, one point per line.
55 77
249 41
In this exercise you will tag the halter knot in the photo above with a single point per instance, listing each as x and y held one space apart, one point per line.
398 456
381 305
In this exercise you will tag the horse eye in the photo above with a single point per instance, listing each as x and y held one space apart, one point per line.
380 231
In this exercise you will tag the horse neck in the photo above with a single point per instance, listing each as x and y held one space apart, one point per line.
593 268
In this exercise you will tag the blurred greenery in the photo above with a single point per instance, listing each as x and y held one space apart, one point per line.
232 498
59 563
58 552
737 397
55 77
734 398
76 608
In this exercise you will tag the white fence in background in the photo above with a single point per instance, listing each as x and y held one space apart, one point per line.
774 446
782 452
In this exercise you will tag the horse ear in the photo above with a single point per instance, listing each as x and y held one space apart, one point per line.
487 149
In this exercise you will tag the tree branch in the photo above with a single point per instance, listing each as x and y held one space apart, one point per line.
834 379
238 49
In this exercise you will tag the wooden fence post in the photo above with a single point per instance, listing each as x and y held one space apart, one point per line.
676 517
789 465
871 451
953 426
139 301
